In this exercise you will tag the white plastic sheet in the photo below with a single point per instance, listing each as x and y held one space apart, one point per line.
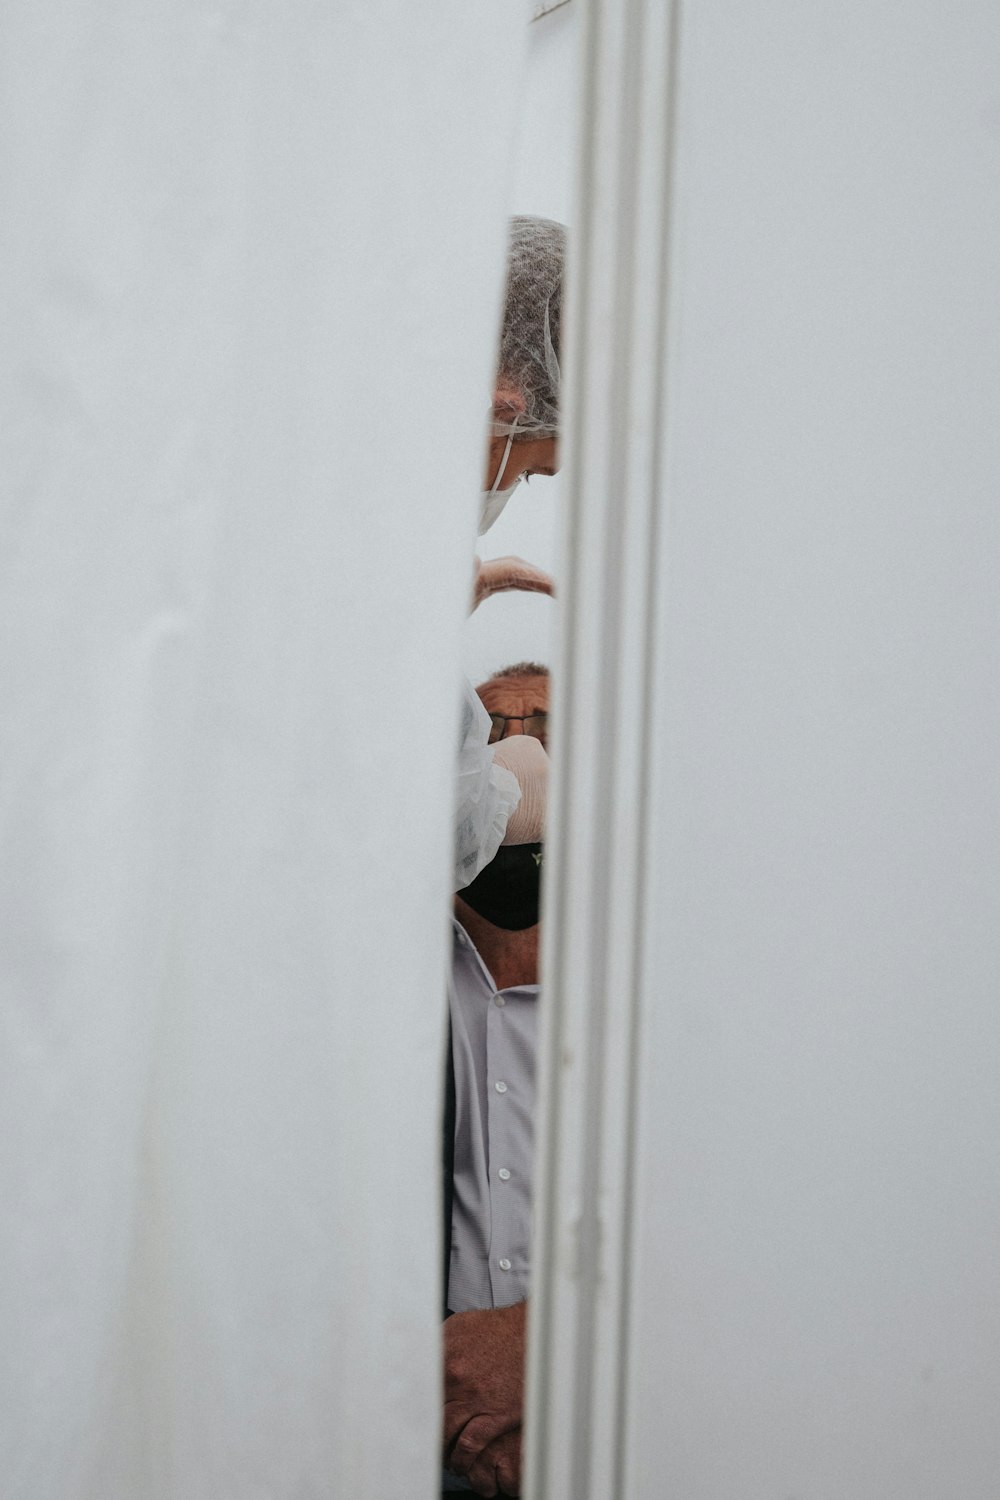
251 259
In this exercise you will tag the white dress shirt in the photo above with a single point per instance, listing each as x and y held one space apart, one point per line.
494 1039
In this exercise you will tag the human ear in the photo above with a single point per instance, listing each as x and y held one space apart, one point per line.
508 404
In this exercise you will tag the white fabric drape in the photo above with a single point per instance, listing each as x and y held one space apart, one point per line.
251 259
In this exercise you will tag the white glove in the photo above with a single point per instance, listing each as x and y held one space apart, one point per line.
502 574
525 756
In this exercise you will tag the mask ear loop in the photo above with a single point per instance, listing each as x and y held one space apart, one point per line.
503 462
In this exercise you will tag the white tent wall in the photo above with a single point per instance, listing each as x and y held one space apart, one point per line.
251 263
820 1122
770 1239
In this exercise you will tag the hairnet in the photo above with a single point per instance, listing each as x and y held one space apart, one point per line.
530 333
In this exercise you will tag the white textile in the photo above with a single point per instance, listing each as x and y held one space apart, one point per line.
244 249
487 793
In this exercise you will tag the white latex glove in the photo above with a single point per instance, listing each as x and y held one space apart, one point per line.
524 755
502 574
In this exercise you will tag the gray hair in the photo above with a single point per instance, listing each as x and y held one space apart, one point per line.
518 671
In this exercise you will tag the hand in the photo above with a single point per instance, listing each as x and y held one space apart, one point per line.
498 1467
484 1395
525 758
501 574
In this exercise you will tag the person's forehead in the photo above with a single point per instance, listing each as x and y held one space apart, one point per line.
508 694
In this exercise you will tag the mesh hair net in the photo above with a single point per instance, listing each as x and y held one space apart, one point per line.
487 793
530 332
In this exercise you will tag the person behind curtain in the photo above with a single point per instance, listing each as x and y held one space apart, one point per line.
522 443
493 998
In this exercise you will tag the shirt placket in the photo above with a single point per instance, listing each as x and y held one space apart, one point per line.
502 1086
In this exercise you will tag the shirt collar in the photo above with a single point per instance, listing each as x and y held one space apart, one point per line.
465 943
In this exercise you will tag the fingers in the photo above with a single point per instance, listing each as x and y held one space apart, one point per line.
502 574
498 1466
483 1383
456 1416
484 1486
508 1468
483 1478
515 573
480 1432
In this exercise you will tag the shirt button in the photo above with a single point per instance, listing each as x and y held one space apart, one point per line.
499 1000
504 1265
503 1174
500 1087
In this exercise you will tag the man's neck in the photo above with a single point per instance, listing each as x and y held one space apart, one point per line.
511 957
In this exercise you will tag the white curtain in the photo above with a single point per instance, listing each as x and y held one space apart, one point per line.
251 262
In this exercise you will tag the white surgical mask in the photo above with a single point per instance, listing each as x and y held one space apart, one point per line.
491 503
493 500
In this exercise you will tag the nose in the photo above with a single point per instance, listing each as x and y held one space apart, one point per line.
509 728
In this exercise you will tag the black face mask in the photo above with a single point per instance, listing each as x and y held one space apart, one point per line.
507 891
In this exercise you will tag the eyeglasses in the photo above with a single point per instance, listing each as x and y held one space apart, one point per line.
535 724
